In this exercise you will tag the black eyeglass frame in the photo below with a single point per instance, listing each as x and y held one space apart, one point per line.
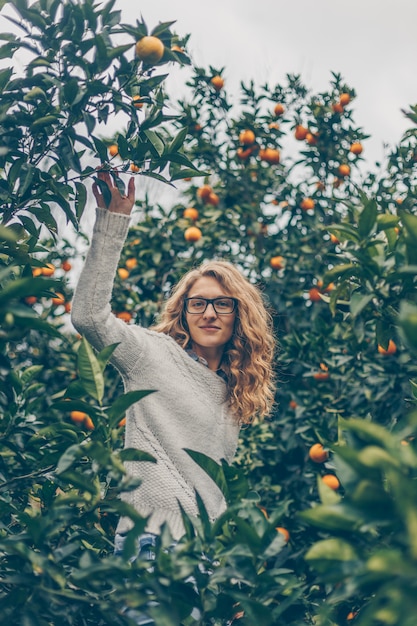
211 301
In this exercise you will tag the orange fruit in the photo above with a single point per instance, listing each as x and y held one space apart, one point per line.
243 154
204 191
192 234
331 481
131 263
176 48
66 266
88 423
283 532
321 375
247 137
213 199
37 271
307 204
126 316
292 404
59 299
300 132
31 300
48 270
113 150
78 417
123 273
334 239
276 262
317 453
356 148
134 168
329 287
122 422
311 139
279 109
67 307
149 49
337 107
190 213
391 348
314 294
351 615
270 155
137 102
344 169
217 82
344 99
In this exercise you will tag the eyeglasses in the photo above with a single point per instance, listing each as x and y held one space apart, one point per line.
222 306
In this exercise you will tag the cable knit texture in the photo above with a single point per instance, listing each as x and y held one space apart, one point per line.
187 410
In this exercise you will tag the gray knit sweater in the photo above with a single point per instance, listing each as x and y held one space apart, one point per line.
188 410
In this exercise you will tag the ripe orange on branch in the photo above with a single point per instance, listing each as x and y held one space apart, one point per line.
284 532
277 262
390 349
126 316
344 170
114 150
331 481
300 132
204 191
217 82
48 270
123 273
58 299
270 155
279 109
137 102
356 148
247 137
344 99
307 204
318 454
192 234
190 213
149 49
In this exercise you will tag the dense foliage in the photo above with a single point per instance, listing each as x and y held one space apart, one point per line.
277 184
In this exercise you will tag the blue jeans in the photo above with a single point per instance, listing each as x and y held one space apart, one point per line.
146 550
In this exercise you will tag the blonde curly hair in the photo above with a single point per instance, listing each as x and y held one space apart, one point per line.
248 356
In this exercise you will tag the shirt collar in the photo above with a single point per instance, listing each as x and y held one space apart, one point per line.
203 361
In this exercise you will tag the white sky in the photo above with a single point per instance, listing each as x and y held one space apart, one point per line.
372 43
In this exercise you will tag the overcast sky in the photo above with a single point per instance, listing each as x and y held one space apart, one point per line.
372 43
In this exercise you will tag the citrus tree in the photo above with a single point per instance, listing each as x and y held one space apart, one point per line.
321 516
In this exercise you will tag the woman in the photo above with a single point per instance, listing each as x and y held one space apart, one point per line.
209 360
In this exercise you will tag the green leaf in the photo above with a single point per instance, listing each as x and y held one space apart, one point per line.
178 141
90 371
123 402
367 218
410 224
407 320
132 454
358 301
333 517
103 357
213 469
328 552
155 141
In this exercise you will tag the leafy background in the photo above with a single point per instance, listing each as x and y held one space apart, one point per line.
342 290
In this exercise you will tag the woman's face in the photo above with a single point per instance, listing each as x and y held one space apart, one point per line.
210 331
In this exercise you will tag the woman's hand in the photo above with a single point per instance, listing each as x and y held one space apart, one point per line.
118 203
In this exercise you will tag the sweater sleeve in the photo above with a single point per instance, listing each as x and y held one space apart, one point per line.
91 311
